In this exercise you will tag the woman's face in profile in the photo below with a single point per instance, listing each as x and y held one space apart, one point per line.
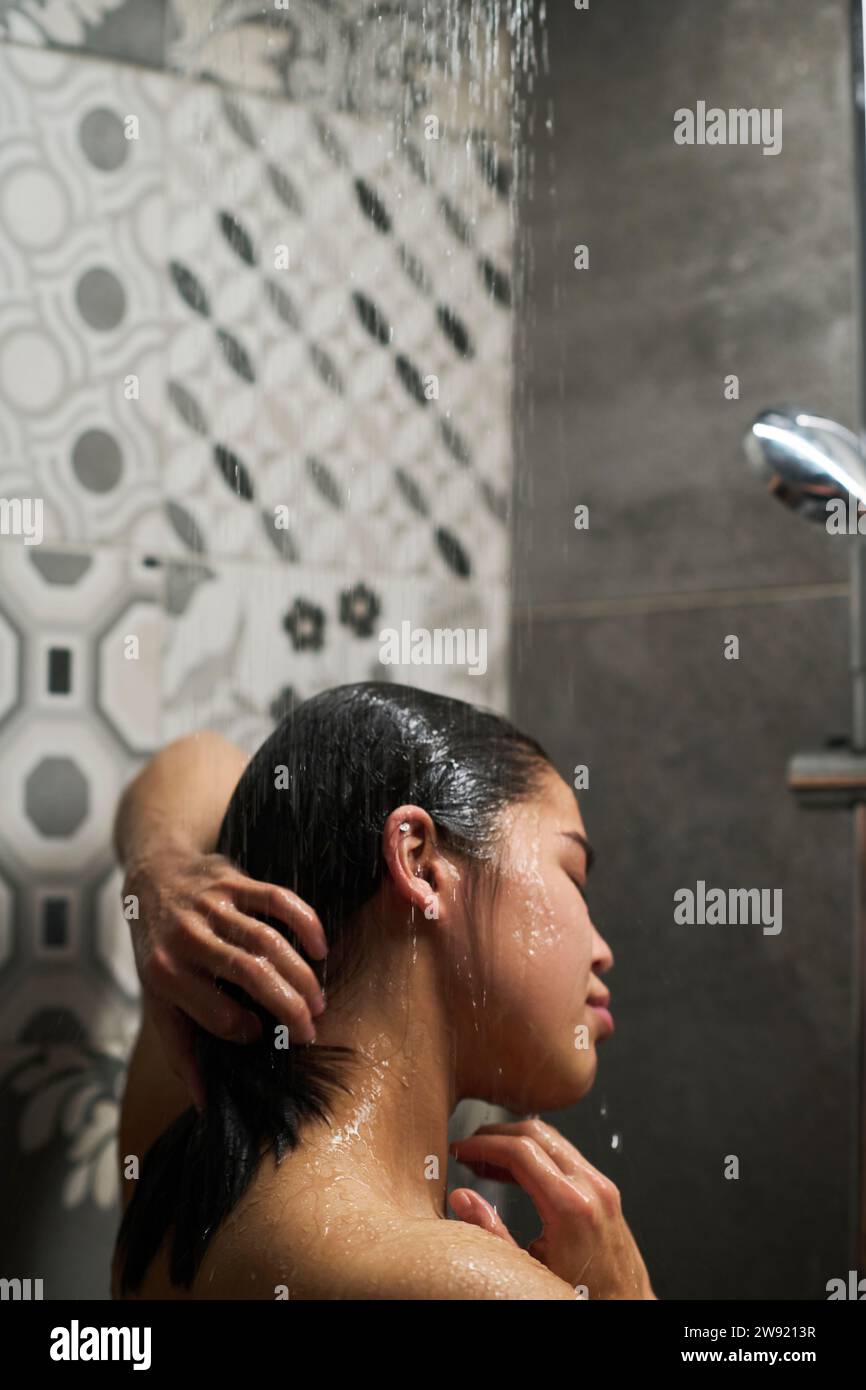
541 958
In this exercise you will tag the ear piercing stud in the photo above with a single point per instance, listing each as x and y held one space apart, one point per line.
404 827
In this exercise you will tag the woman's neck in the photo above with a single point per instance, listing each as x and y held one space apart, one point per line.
390 1132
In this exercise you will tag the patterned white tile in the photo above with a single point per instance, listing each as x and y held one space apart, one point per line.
80 673
152 354
312 385
369 57
82 251
245 638
59 1116
131 30
163 383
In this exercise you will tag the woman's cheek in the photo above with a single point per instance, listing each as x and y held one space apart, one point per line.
565 958
548 948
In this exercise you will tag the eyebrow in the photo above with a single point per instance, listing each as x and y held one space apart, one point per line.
584 844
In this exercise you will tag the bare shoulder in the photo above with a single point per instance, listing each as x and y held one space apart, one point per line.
453 1260
358 1250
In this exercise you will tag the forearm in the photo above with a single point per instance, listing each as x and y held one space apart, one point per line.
179 798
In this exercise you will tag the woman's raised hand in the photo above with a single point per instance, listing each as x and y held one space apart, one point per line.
585 1238
197 922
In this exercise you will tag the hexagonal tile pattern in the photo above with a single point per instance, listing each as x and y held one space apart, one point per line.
87 629
56 797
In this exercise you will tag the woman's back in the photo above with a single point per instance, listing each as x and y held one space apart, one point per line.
292 1208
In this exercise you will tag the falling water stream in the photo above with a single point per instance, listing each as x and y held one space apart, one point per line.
304 118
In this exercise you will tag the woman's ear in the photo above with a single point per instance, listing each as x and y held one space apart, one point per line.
414 860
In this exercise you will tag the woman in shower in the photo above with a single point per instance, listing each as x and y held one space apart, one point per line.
423 860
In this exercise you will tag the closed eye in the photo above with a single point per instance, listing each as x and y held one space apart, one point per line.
581 888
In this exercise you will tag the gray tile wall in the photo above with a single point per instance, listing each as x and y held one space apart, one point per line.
703 262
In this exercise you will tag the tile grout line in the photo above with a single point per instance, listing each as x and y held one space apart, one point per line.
672 602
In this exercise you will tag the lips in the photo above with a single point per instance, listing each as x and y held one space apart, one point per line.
598 1003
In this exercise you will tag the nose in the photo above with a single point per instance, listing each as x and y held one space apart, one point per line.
602 955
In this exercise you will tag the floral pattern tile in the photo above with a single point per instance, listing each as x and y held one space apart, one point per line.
59 1114
368 57
128 30
245 642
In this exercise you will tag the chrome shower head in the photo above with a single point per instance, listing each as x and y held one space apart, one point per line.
806 460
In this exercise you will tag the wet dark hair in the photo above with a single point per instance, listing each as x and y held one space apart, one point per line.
308 813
